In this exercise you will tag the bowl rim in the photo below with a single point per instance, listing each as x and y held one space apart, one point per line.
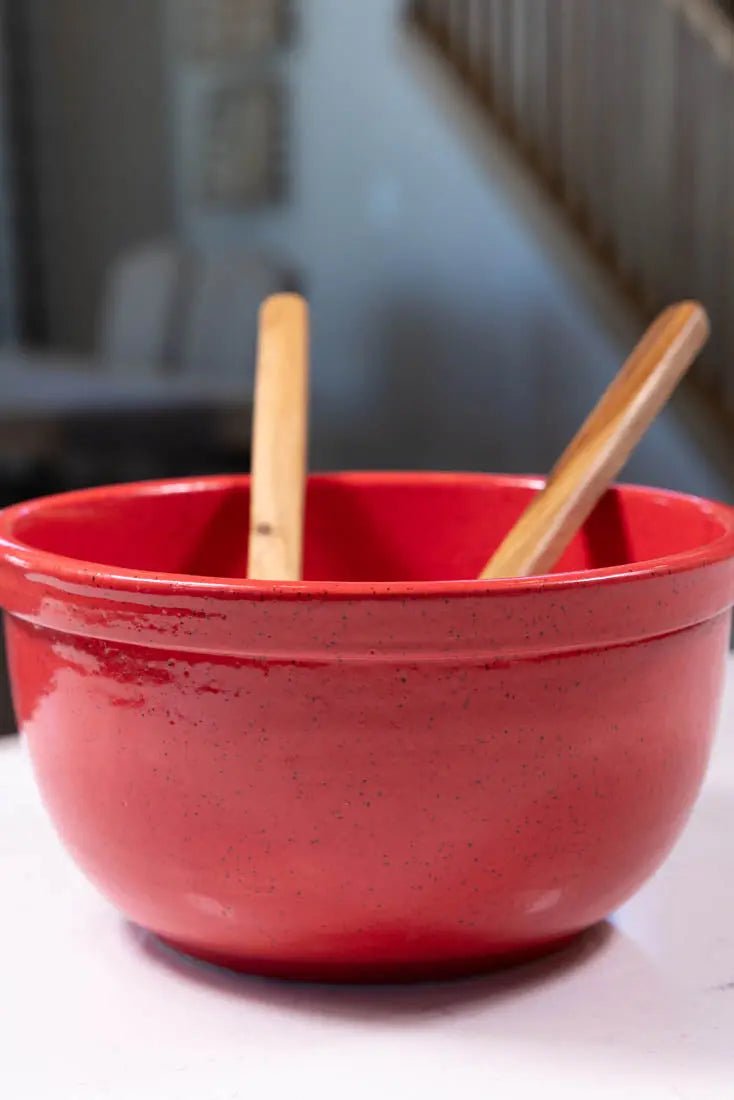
18 555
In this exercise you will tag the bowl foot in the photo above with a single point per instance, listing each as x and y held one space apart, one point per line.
378 971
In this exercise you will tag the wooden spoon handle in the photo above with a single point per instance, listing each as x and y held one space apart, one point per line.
601 448
279 446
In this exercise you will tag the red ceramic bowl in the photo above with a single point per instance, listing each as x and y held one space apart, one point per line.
387 770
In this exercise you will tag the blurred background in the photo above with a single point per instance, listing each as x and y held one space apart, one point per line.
484 200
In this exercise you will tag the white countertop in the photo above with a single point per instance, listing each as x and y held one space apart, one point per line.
91 1009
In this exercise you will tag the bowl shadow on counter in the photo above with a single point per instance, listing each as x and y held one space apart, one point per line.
607 990
381 1001
602 993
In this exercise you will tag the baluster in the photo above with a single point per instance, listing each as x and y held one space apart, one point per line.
636 197
588 84
622 131
437 16
574 121
519 110
537 62
708 274
608 69
659 62
679 229
501 69
484 58
478 34
457 32
554 104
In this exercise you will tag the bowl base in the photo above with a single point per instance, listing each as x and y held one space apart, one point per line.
377 972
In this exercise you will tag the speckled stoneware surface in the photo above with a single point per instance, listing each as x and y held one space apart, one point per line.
388 770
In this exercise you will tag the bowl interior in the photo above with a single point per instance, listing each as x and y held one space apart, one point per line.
359 527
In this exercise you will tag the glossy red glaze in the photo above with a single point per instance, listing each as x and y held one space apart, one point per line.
386 770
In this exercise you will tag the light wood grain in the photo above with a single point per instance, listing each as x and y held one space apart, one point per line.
280 432
602 446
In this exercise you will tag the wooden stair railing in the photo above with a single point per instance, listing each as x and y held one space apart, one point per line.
625 108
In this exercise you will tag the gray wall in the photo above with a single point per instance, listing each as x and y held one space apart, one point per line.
7 207
444 333
101 147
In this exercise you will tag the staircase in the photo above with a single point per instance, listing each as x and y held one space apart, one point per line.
625 110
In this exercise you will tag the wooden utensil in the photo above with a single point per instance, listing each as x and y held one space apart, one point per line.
280 433
602 446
